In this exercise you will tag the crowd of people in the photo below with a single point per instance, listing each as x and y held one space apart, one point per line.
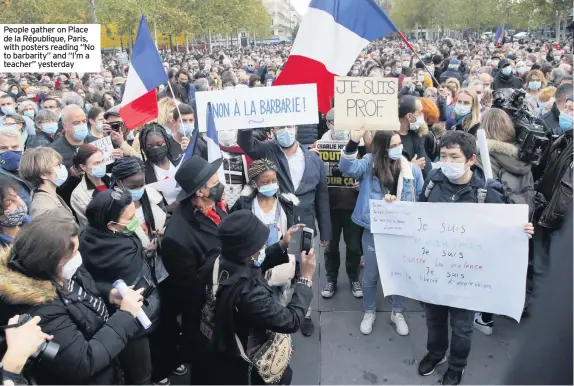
208 257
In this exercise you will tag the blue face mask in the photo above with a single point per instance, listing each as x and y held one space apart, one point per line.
50 128
80 132
185 129
461 110
285 137
8 110
137 193
269 189
396 152
261 258
99 171
507 70
10 160
29 114
565 121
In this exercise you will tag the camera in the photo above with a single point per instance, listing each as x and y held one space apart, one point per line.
47 350
531 132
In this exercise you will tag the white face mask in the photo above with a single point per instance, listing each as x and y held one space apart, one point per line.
227 138
453 170
69 269
415 126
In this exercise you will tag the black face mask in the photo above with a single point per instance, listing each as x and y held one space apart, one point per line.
157 154
183 83
216 192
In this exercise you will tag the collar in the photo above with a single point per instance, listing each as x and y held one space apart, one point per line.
299 151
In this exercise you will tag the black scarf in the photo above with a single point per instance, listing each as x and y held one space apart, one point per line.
234 278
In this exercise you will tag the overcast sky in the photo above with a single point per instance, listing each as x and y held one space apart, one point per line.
301 5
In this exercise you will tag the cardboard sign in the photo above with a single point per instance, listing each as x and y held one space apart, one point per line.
368 102
106 147
251 108
330 153
470 256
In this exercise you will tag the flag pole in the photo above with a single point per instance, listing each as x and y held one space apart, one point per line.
176 105
404 39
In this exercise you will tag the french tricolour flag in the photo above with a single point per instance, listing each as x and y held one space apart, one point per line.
213 150
331 36
499 35
139 102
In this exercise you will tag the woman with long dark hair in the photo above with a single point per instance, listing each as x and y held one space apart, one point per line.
384 173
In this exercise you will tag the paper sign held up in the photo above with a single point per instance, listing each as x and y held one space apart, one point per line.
469 256
392 218
106 147
368 102
250 108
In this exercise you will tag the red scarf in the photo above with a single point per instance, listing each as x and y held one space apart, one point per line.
212 213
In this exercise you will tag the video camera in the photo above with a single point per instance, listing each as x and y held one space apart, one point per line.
47 350
531 137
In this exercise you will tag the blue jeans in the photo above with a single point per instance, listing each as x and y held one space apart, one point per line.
371 277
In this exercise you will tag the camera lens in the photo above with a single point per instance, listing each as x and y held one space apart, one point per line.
47 350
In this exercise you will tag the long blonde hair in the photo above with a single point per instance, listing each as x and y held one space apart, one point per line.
498 126
474 111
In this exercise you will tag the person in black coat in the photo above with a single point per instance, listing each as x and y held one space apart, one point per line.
112 251
43 276
238 310
191 232
504 78
46 126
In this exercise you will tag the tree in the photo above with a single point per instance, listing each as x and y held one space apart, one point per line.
295 32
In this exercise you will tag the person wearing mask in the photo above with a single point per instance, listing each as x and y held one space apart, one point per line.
17 121
118 84
90 161
504 78
342 200
534 82
22 342
191 232
43 167
239 308
452 71
8 107
397 72
412 119
10 156
466 112
14 211
76 130
121 137
552 118
300 172
47 124
383 173
96 122
276 211
43 276
28 109
458 180
184 117
157 153
111 251
182 87
515 175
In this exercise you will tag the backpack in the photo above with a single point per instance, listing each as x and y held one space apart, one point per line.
517 189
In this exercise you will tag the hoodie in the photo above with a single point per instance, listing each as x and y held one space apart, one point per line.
505 81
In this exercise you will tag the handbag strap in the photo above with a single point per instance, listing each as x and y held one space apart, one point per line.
215 279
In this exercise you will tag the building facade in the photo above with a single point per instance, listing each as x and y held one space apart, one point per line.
284 17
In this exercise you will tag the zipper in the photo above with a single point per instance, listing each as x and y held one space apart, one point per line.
455 195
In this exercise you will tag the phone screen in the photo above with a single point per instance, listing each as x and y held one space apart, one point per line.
306 241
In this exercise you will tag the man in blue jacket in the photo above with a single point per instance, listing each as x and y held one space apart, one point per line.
300 172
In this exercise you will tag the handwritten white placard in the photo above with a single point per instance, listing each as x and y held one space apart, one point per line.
250 108
105 145
369 102
392 218
470 256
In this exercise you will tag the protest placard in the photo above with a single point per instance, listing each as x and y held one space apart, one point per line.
50 48
250 108
470 256
368 102
106 147
330 153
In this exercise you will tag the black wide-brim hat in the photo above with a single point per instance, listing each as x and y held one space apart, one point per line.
194 174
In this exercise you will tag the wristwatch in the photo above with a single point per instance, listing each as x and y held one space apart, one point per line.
307 282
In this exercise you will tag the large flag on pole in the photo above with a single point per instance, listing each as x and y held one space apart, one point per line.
139 102
213 150
499 35
331 36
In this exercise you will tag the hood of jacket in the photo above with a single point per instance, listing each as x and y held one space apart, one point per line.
17 288
506 156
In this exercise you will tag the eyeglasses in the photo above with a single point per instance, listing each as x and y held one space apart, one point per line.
116 194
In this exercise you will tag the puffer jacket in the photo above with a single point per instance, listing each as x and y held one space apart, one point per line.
89 345
370 188
307 135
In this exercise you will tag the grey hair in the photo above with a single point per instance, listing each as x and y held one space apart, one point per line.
66 111
201 84
25 104
7 131
558 74
72 98
45 115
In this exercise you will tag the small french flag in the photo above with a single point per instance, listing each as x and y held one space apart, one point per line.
330 38
139 102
